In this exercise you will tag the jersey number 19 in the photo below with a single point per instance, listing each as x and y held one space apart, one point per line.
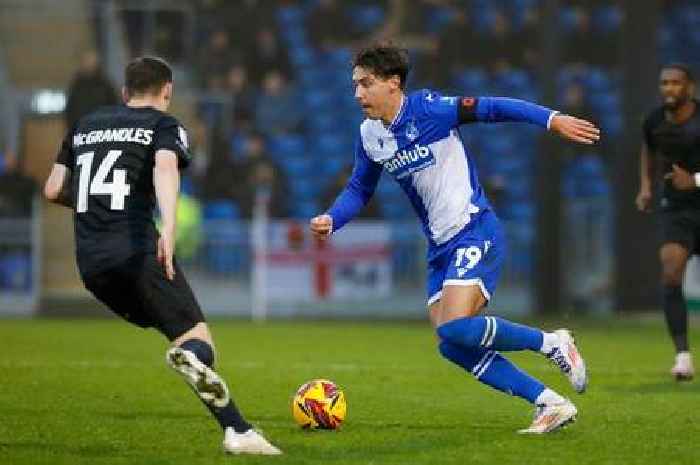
118 189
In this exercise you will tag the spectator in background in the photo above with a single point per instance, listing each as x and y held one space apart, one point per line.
504 46
219 174
329 25
586 45
89 89
574 102
369 211
216 59
243 94
16 190
257 170
453 55
267 54
408 25
278 108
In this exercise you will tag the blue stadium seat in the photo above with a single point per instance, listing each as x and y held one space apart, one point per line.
437 19
295 36
290 15
16 272
514 80
472 81
323 122
567 19
330 166
317 99
221 210
339 57
302 57
304 187
331 144
297 167
607 18
287 145
598 80
305 209
367 17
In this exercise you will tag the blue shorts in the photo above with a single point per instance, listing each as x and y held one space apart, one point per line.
474 257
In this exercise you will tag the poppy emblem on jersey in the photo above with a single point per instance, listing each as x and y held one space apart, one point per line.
468 102
412 131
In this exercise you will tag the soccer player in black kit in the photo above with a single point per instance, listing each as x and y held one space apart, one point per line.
672 144
113 166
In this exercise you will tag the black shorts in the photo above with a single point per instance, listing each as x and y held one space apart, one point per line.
138 291
682 227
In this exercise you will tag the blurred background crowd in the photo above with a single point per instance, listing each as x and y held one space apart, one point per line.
264 89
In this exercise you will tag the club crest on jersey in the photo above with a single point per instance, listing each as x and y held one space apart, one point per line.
412 131
410 160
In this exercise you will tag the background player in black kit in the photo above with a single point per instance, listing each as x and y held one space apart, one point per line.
112 167
672 146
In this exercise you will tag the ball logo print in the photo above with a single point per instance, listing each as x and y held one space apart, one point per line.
412 132
319 404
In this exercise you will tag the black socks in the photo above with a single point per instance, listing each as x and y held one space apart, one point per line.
228 415
676 316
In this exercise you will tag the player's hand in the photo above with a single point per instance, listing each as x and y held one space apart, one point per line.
166 250
681 179
643 200
575 129
321 226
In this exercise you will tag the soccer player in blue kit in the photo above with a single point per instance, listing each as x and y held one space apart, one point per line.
414 137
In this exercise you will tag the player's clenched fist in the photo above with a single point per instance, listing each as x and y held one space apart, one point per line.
321 226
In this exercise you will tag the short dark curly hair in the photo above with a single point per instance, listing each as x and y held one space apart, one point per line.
385 60
147 75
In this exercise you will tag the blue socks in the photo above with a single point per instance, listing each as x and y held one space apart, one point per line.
490 332
492 369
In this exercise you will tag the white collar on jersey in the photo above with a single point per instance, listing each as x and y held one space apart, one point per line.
399 113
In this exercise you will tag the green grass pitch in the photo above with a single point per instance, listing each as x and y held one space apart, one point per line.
99 392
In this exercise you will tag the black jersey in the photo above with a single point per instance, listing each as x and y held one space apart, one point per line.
669 144
111 153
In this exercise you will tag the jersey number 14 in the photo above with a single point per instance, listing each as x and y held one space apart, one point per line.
118 189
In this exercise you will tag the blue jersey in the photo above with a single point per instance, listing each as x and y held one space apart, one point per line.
423 151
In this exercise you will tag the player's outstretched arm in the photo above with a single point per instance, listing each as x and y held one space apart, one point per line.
166 180
503 109
58 188
358 191
574 129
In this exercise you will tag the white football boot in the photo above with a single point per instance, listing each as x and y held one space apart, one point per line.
566 356
551 417
206 382
683 369
250 442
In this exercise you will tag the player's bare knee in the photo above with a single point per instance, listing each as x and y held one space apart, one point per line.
460 302
672 277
